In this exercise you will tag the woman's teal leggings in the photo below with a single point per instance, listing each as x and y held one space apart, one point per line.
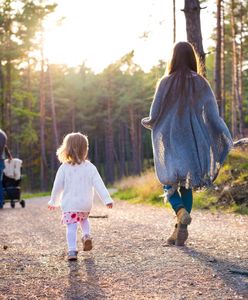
182 198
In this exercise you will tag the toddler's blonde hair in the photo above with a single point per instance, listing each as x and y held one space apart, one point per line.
74 149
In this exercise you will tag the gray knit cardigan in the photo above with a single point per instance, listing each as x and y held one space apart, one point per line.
188 146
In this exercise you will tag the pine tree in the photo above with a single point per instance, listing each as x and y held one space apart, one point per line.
193 27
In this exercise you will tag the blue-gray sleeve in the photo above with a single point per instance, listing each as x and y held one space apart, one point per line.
217 128
149 122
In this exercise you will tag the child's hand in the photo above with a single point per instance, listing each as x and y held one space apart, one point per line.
110 205
50 207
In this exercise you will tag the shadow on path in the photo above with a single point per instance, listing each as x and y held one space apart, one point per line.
83 282
232 274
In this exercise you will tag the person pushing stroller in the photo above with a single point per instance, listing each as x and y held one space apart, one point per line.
4 152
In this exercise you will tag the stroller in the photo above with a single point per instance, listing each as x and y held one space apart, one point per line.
11 182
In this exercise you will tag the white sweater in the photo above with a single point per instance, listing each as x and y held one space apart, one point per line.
74 187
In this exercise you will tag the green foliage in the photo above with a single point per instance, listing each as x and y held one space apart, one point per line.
240 209
20 20
241 32
128 194
210 66
132 196
204 200
82 98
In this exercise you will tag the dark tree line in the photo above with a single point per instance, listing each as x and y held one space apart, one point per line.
41 102
231 57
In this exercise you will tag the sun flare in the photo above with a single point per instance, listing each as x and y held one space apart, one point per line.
99 33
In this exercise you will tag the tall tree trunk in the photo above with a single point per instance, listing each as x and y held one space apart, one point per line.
235 83
133 138
8 101
53 163
53 111
43 166
54 160
217 77
139 146
96 152
193 27
8 78
122 150
174 21
109 144
223 81
128 150
240 74
30 156
2 122
134 141
73 115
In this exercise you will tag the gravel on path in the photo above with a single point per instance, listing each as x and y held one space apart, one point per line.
130 258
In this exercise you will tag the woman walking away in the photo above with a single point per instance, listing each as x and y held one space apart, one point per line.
73 190
190 140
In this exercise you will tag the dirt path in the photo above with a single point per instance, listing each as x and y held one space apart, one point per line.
129 259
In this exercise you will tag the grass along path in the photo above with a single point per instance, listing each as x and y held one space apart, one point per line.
230 192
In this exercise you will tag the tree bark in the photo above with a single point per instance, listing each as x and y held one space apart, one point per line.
30 156
2 96
43 164
8 78
240 74
53 111
139 146
217 70
134 141
235 82
193 27
73 115
174 21
96 152
223 81
8 101
122 151
128 150
109 144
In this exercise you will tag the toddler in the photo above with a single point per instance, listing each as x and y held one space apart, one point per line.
73 190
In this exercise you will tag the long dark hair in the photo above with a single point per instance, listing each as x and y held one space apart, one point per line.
183 61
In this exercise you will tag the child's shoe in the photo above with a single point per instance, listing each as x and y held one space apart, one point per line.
72 255
87 242
182 235
172 239
183 217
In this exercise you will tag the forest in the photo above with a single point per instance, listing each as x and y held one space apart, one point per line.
41 102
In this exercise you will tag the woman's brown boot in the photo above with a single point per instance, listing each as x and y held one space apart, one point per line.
183 217
182 235
172 239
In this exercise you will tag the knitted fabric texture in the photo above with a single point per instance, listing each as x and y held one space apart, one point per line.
190 140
